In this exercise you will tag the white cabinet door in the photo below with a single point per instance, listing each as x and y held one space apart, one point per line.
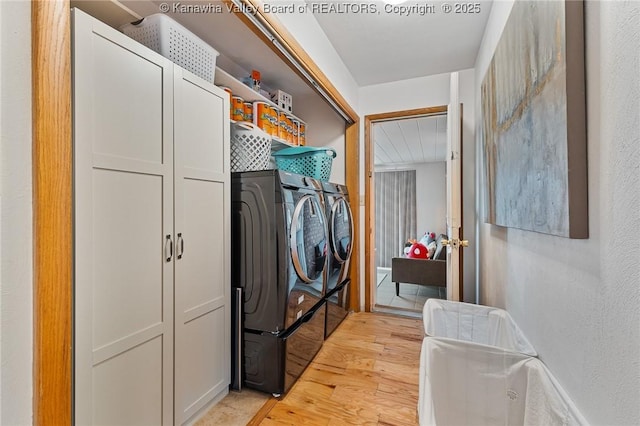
202 226
123 183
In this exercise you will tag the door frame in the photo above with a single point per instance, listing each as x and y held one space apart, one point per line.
52 212
53 196
369 191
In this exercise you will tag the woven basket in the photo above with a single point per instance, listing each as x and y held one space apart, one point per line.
250 148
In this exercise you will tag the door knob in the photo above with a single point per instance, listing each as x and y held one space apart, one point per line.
455 243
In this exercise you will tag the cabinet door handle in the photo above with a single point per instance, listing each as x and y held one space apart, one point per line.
179 246
168 248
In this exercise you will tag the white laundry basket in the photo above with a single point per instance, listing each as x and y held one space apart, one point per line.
474 323
173 41
464 383
250 148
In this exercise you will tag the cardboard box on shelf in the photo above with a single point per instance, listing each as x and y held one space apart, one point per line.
283 100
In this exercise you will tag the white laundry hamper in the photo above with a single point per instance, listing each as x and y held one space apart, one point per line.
474 323
250 148
464 383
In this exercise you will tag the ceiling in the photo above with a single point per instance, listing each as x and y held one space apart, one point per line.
409 141
383 45
379 44
414 39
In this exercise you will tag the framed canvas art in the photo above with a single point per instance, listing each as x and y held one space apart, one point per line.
534 121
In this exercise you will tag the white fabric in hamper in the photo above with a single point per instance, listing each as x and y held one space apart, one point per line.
474 323
465 383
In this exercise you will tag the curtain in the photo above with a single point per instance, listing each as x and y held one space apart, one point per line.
395 199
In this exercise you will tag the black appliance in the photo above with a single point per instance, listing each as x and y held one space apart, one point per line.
279 250
340 225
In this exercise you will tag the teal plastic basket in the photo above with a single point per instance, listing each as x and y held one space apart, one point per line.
306 160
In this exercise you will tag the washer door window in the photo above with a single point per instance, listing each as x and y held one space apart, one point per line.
308 239
341 230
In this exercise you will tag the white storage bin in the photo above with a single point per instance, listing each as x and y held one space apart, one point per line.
173 41
465 383
474 323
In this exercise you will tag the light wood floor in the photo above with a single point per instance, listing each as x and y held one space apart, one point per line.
366 373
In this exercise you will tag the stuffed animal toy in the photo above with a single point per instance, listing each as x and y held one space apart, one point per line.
408 245
418 251
428 238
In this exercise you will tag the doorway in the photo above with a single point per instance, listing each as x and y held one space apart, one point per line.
398 145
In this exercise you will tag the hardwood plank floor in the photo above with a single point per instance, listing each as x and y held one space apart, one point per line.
365 374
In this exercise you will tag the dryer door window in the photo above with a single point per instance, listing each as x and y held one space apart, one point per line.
341 230
308 239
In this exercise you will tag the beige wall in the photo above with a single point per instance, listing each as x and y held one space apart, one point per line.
578 301
16 278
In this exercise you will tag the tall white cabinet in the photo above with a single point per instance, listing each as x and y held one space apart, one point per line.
202 225
152 195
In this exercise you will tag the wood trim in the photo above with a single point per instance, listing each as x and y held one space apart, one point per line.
369 189
369 215
262 412
299 54
52 212
407 113
352 167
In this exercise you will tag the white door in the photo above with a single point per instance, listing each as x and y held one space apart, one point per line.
202 227
123 213
453 190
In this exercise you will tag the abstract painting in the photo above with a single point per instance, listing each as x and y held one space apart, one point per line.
534 129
